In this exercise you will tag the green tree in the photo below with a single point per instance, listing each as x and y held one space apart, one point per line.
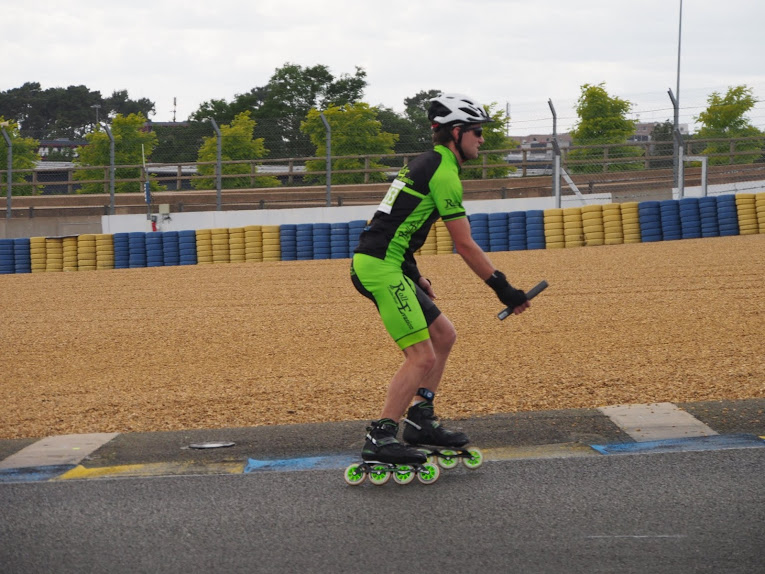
603 120
663 148
24 158
180 142
494 139
129 137
120 103
355 131
725 118
237 143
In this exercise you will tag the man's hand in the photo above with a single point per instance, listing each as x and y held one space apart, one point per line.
427 287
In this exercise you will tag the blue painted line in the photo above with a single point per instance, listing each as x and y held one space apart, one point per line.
34 474
306 463
715 442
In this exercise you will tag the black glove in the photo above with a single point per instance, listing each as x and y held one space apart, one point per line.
508 294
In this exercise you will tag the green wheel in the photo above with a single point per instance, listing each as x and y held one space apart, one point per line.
354 475
429 473
448 459
404 474
475 460
379 475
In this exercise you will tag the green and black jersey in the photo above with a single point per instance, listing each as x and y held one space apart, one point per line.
424 190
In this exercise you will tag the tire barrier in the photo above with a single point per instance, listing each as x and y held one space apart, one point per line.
304 241
535 229
517 231
136 249
631 222
155 256
690 218
54 254
746 209
104 252
220 246
237 245
339 243
7 257
253 243
499 234
649 216
171 249
86 252
22 258
69 247
121 250
671 228
479 229
591 225
37 254
555 237
573 232
271 243
187 247
727 215
322 241
204 246
708 217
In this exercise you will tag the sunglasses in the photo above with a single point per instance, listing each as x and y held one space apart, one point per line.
477 131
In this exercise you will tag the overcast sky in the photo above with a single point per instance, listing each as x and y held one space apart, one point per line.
520 53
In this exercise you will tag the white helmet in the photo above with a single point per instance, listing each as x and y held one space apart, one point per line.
455 109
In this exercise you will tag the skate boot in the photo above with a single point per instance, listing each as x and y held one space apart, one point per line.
384 457
382 445
422 428
441 445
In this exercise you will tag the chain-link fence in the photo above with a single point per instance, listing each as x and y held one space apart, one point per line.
199 166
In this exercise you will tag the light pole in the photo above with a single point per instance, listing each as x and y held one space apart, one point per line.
676 99
96 107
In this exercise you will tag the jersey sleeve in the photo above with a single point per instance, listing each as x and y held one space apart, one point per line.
446 189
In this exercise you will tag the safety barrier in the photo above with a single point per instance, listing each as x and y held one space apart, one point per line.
590 225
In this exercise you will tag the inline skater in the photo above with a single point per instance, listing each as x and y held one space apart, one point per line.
384 270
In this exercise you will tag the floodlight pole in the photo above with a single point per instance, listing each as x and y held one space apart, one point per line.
111 169
676 98
8 173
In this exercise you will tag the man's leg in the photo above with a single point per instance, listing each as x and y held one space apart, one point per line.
443 336
419 360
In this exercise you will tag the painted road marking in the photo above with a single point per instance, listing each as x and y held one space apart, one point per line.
656 421
153 469
57 450
691 444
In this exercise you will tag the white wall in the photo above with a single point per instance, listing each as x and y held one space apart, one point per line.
231 219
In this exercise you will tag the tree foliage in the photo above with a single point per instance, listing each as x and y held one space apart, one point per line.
69 113
603 120
25 156
725 117
129 137
355 131
237 143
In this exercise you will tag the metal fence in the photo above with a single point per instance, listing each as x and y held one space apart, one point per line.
629 171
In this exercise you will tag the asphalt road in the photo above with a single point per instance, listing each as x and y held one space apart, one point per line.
643 513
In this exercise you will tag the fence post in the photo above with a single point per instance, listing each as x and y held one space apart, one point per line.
329 158
8 172
111 169
556 155
218 165
680 164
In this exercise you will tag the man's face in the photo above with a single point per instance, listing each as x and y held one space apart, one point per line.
472 138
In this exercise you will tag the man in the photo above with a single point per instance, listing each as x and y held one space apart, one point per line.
384 270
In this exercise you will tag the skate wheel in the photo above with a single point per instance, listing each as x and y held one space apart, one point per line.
379 475
354 475
475 460
448 459
429 473
404 474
